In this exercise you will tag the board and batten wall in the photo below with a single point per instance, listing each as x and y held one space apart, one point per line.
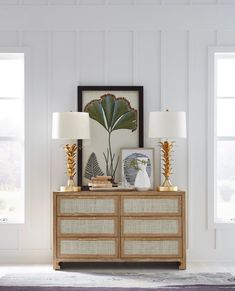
160 44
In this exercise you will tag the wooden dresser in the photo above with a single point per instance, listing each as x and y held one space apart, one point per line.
119 227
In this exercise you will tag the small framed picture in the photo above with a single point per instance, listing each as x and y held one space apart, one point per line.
129 166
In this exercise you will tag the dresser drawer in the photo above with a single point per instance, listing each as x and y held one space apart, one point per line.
146 226
81 206
87 226
149 247
145 205
87 247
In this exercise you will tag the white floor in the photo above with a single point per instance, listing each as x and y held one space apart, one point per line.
191 268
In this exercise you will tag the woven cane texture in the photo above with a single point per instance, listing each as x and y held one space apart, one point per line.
152 205
87 226
87 205
153 248
153 226
87 247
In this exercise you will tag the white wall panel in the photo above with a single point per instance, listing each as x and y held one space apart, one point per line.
91 2
9 237
148 2
226 37
116 17
176 62
9 2
201 2
64 69
120 58
35 234
227 1
120 2
62 2
225 240
91 58
34 2
9 38
200 236
175 2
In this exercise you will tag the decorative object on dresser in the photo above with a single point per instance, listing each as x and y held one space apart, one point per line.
119 227
167 125
137 166
116 114
70 125
100 182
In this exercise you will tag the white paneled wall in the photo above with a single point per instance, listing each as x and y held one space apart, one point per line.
160 44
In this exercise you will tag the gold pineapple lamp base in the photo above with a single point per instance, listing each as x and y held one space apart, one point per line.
70 187
70 150
166 189
167 186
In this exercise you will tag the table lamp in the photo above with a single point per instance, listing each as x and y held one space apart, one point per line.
167 125
70 126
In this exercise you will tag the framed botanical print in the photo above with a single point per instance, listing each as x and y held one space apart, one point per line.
116 115
130 158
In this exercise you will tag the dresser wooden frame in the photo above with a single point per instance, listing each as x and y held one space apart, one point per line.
166 210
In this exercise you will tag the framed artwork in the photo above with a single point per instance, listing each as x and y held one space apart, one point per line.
116 115
128 169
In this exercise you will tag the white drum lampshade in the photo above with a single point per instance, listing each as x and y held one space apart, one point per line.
70 125
167 124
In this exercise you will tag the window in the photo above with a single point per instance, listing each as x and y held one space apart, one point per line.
12 137
221 150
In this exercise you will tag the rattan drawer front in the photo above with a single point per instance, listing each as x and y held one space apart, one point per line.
87 248
87 226
87 206
151 227
151 206
151 248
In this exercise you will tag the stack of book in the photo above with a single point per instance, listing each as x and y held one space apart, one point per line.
99 182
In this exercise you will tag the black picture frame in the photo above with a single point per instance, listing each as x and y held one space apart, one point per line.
109 89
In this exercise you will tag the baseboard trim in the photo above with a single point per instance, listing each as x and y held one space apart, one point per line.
45 256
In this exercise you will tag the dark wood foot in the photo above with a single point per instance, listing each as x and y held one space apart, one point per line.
182 265
56 265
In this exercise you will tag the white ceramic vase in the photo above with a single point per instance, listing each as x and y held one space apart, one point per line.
142 181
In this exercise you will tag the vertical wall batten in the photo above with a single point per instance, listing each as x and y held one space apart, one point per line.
162 74
20 244
189 198
49 94
106 57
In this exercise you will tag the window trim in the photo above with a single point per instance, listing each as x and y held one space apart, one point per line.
26 122
212 139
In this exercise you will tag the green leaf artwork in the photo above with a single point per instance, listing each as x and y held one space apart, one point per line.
92 167
113 114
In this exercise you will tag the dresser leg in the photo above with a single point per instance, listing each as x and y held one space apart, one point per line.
56 265
182 264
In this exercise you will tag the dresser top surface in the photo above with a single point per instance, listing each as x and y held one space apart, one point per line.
120 193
